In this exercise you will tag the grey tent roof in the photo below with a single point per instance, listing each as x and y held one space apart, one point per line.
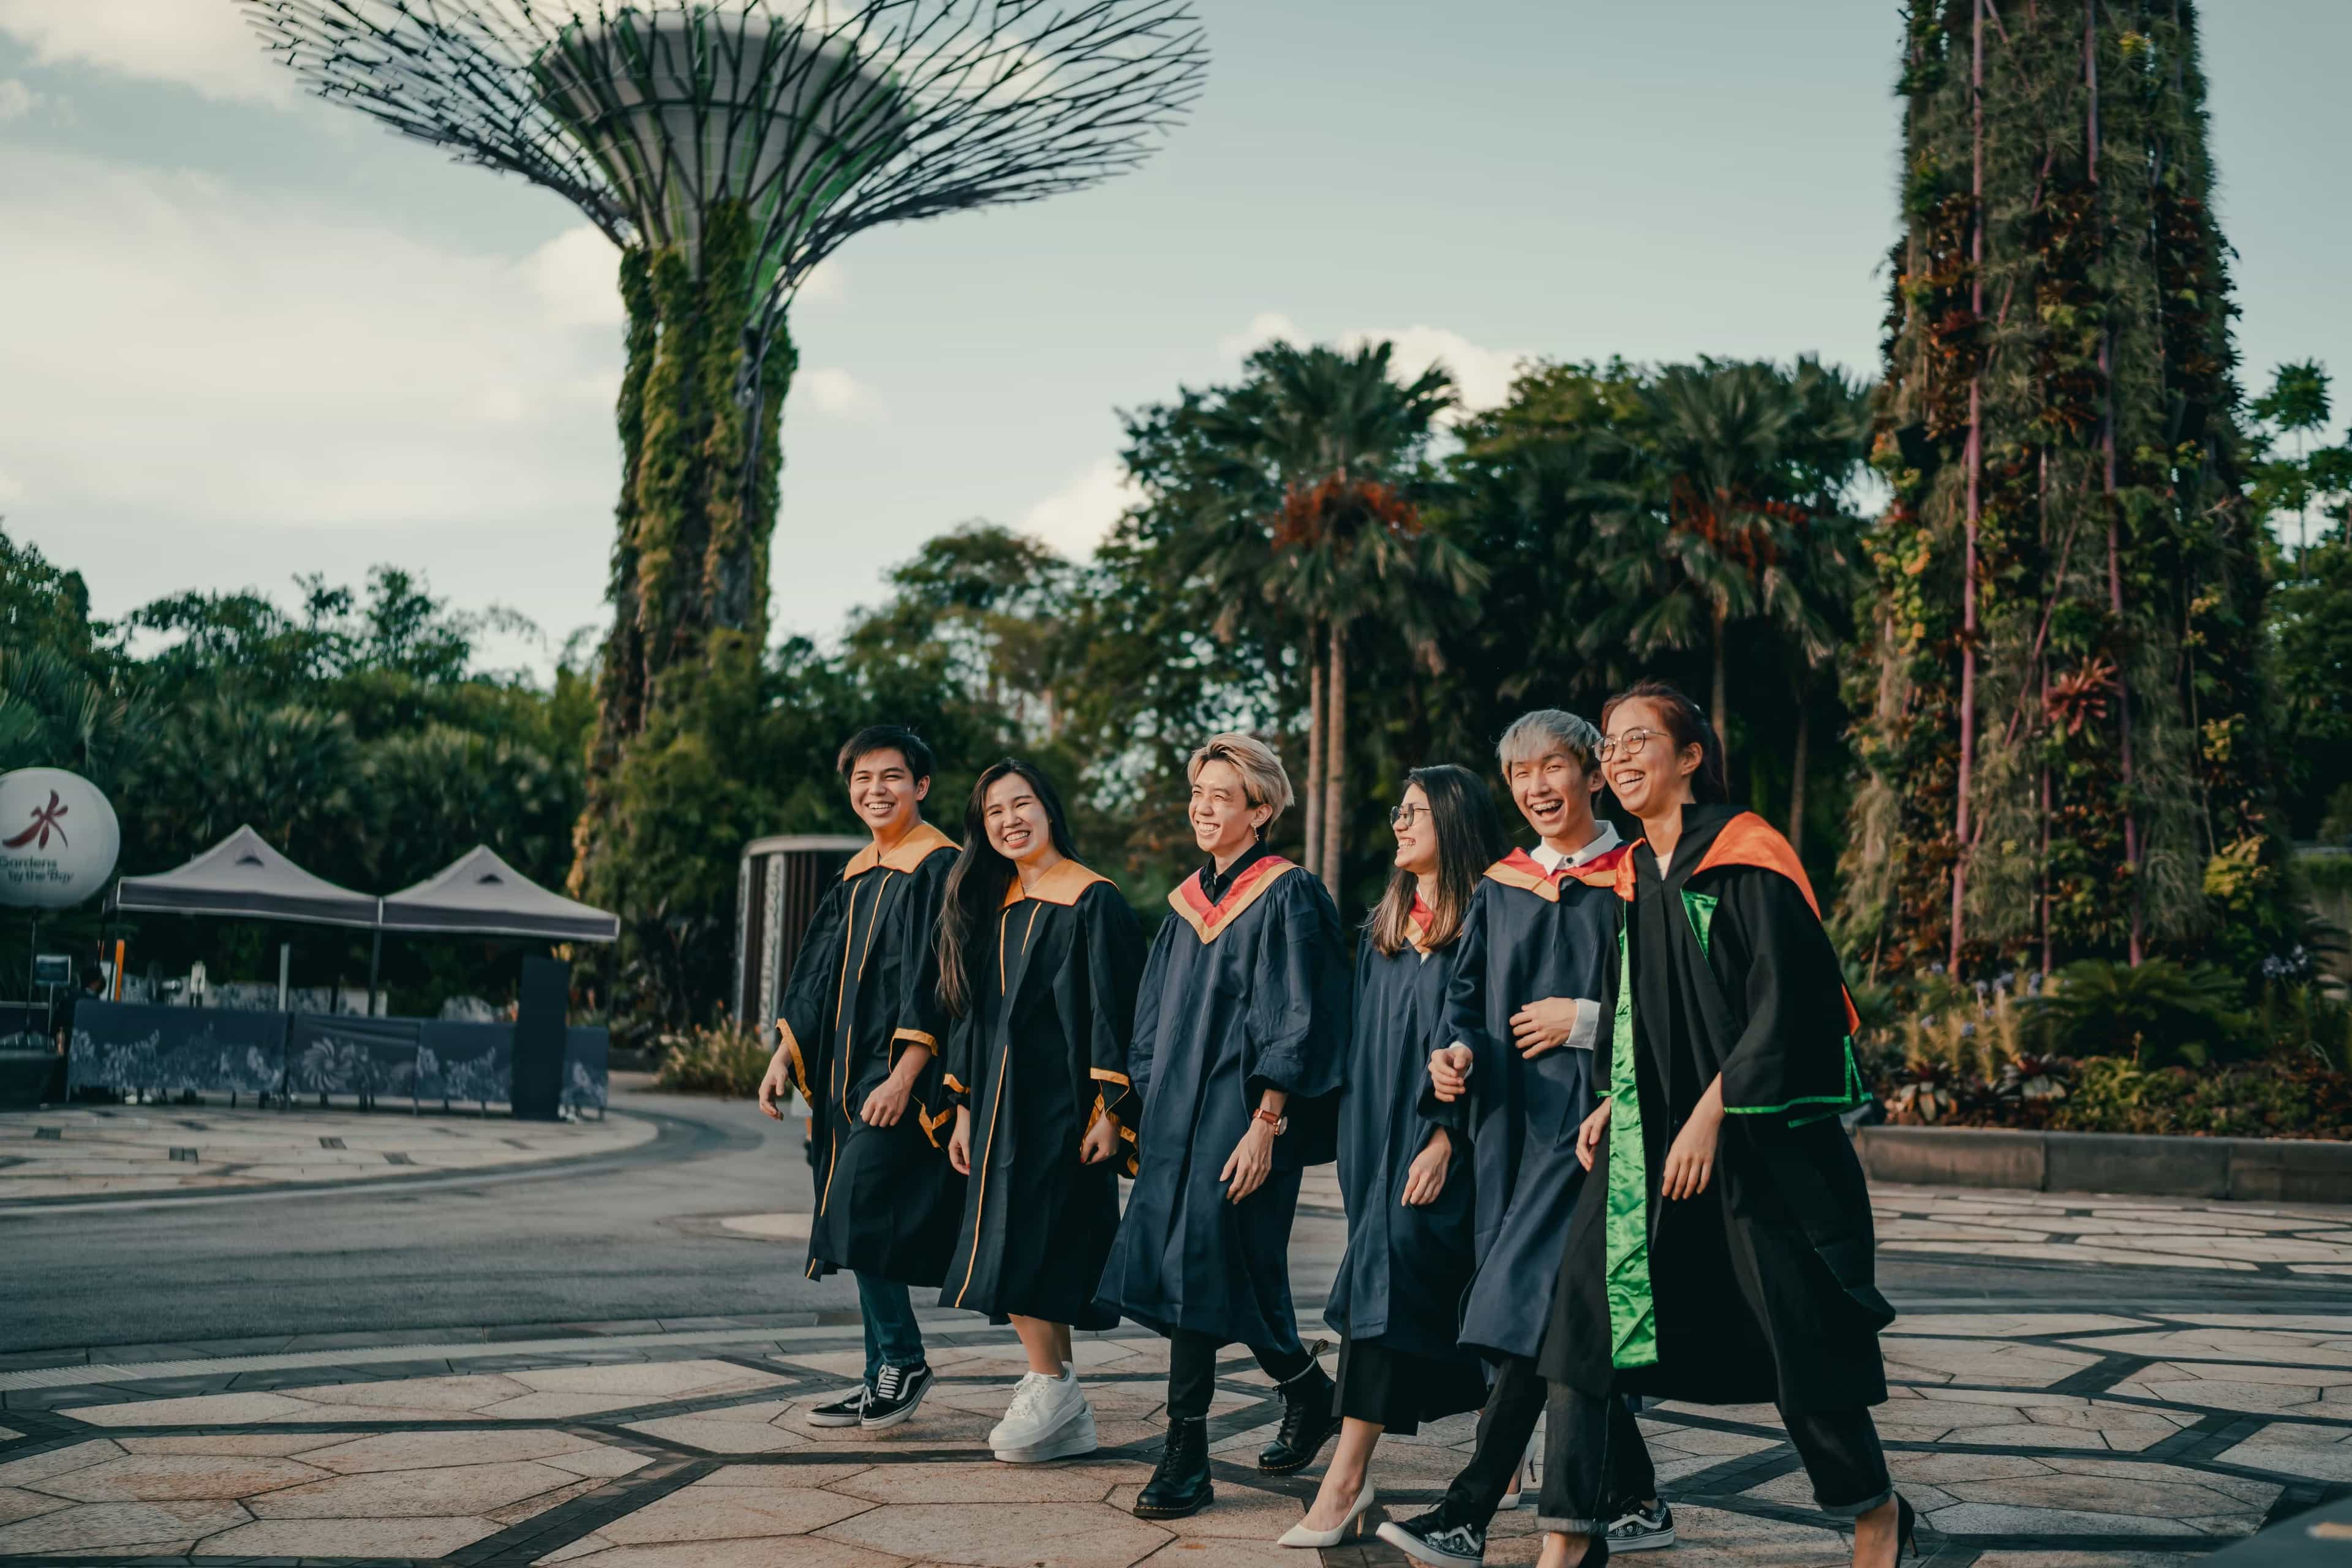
482 895
243 875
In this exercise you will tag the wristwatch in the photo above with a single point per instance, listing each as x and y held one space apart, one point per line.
1281 1124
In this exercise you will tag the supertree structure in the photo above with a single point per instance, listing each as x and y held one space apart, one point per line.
726 147
2060 713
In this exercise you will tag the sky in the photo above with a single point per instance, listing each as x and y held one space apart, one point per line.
246 334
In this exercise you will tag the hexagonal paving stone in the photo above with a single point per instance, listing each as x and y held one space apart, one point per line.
202 1410
16 1504
428 1450
1004 1535
774 1552
701 1512
405 1537
163 1477
461 1489
91 1526
33 1468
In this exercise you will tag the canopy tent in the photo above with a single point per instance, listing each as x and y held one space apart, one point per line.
242 875
482 895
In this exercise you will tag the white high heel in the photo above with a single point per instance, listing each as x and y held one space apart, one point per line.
1516 1498
1299 1535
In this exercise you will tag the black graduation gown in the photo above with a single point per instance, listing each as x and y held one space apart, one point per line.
1759 1288
1529 934
1039 1057
1240 996
1402 1278
863 987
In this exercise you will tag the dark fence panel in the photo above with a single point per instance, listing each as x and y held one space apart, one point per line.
329 1052
131 1047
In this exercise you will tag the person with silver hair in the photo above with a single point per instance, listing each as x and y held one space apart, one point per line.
1241 1035
1517 1080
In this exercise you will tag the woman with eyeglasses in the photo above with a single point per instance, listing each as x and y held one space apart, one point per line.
1722 1253
1411 1210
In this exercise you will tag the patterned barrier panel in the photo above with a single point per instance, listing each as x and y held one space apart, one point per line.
465 1064
587 1050
24 1026
329 1052
133 1046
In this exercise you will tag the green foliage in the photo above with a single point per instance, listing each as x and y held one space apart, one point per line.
720 1059
2310 658
2159 1014
2116 1094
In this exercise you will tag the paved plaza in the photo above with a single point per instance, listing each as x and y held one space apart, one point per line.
2078 1382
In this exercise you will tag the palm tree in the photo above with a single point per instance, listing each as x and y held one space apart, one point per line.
1736 514
1329 534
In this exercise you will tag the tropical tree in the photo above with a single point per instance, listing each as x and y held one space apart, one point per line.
1330 531
1734 517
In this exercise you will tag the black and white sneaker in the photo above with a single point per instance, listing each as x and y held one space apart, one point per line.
1644 1528
897 1391
842 1412
1438 1538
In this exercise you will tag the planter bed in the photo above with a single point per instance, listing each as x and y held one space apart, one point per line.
2259 1169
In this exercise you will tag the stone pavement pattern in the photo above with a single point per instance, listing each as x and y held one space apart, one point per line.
86 1151
2077 1440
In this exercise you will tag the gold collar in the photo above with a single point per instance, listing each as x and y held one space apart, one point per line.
921 842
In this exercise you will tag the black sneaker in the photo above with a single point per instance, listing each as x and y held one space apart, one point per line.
1436 1537
897 1391
1643 1528
842 1412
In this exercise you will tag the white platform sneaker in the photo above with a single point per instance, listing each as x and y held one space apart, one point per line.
1049 1419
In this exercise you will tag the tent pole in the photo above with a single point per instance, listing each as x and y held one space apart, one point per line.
285 959
376 964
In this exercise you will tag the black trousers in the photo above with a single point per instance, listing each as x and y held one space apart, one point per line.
1840 1448
1514 1404
1192 1370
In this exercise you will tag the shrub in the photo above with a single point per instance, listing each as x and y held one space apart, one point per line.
2157 1014
722 1060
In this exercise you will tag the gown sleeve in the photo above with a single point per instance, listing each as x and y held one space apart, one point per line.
1464 1022
1299 1012
1114 960
920 1018
1144 1039
1792 1059
803 1022
963 1045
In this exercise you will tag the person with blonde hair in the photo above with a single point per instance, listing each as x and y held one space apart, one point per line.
1241 1035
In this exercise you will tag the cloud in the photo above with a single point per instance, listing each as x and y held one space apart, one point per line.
9 488
17 100
200 44
1078 517
1481 376
284 368
836 392
577 277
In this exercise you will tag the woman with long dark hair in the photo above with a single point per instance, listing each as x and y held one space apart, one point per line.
1722 1254
1038 963
1411 1214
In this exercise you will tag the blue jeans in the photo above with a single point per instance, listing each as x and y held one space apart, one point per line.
892 1336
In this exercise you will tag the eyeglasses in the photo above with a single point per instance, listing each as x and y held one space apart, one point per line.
1629 745
1402 816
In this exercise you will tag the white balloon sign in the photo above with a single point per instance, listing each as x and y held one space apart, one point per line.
58 838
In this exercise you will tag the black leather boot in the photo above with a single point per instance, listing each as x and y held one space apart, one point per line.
1308 1421
1179 1486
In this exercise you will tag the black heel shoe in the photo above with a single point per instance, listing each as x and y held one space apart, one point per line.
1907 1532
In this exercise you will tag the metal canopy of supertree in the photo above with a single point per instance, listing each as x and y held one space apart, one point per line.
822 119
726 147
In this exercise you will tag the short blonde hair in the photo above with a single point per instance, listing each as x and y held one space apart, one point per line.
1262 781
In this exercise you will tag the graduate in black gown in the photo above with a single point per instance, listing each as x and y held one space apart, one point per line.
1517 1080
1038 959
1409 1187
859 1038
1722 1253
1241 1032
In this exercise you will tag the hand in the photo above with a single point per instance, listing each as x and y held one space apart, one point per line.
1587 1137
776 1086
960 1143
1100 1142
1251 1160
1691 1161
1449 1072
1425 1177
887 1102
1540 1027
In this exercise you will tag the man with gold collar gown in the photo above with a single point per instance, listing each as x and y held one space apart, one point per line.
1241 1032
861 1034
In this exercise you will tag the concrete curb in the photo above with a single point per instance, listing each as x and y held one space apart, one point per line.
2258 1170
